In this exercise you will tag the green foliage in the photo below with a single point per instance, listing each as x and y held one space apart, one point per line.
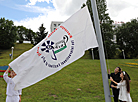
21 33
40 35
106 27
7 34
25 34
30 35
127 38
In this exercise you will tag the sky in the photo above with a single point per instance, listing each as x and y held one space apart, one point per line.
32 13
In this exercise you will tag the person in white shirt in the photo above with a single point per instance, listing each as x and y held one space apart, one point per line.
124 93
12 95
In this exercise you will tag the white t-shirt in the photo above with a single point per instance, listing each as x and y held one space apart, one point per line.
10 86
123 94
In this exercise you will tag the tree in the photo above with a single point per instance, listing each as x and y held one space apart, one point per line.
40 35
30 36
127 36
22 31
25 34
8 34
106 27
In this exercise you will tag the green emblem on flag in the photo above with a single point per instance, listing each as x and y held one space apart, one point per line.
60 49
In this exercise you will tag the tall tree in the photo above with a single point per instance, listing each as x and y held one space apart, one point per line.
40 35
127 38
30 36
8 34
106 27
22 31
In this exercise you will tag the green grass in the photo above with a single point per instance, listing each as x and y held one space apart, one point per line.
80 81
18 49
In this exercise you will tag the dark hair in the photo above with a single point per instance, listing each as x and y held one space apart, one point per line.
12 71
119 69
127 82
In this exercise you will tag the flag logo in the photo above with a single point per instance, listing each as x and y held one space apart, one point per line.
50 50
48 46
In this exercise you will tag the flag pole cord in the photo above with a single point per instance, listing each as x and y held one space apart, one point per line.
106 53
108 67
106 47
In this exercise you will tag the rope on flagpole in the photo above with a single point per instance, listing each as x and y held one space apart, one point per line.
106 51
107 61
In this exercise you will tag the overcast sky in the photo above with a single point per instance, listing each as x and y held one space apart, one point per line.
32 13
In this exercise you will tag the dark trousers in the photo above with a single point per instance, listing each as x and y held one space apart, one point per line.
116 94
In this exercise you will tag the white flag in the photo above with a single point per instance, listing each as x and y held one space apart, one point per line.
64 45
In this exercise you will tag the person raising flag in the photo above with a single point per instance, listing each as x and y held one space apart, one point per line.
12 95
124 86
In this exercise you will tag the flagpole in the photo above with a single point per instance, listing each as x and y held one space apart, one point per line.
101 52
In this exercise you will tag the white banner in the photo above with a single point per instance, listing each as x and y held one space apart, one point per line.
64 45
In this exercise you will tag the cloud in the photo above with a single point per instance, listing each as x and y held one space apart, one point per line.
62 11
122 10
35 23
115 7
33 2
34 9
119 10
68 7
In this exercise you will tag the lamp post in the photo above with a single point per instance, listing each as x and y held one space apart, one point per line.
123 53
92 54
12 52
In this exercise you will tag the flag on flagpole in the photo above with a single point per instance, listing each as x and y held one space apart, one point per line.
64 45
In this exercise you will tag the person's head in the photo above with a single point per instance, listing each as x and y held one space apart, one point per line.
123 76
13 74
117 69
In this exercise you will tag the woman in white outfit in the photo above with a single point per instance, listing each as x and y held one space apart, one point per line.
124 93
12 95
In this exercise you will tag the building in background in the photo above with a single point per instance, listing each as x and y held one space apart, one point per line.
54 25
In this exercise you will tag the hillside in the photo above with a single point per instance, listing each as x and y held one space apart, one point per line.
80 81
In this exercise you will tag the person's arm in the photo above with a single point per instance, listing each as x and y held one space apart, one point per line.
7 70
113 80
20 93
109 74
20 98
5 75
113 86
119 85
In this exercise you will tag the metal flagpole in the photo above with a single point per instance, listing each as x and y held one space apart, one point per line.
101 52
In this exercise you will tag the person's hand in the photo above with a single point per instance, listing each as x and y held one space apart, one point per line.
7 70
111 78
108 71
112 85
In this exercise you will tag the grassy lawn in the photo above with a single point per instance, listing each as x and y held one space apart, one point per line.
80 81
18 49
